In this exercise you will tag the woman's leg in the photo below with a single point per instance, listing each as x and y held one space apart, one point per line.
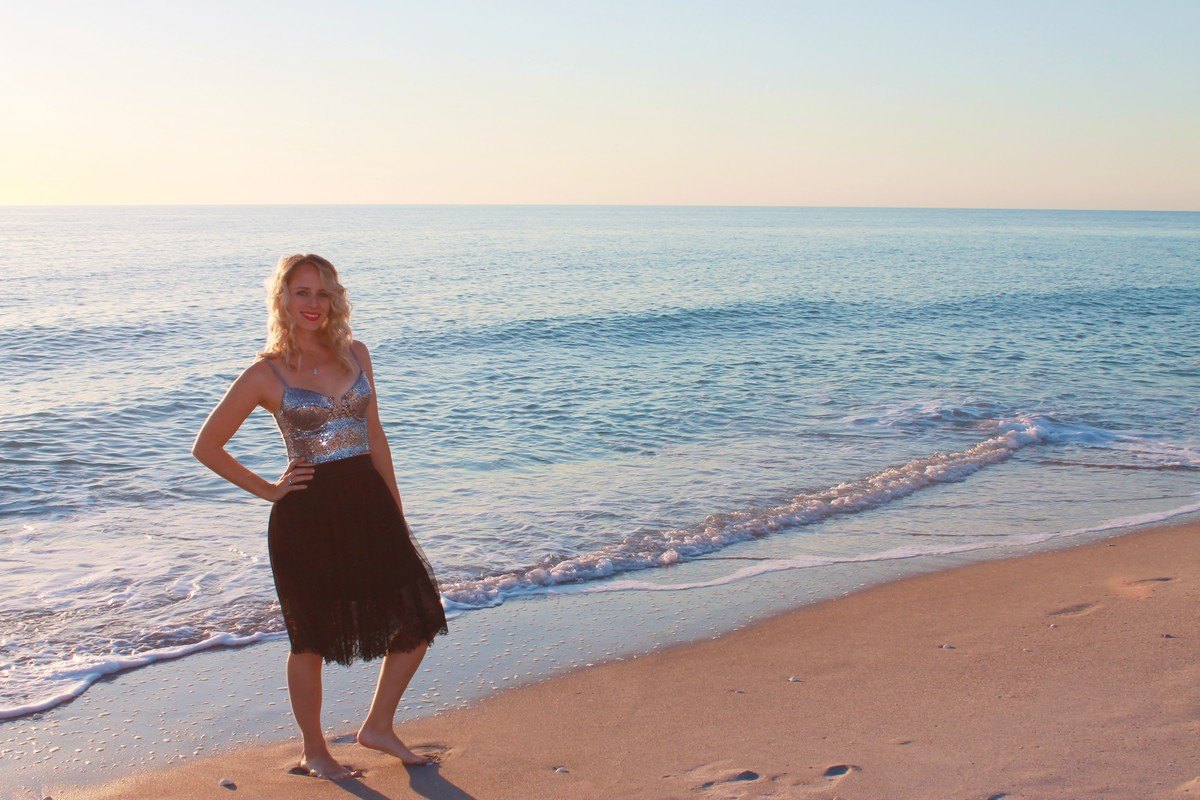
377 732
304 690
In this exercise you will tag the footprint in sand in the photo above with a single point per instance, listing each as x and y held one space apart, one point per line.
744 775
296 769
830 777
1077 610
435 752
1189 789
719 779
1136 588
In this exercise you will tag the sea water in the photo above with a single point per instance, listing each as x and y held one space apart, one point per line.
582 400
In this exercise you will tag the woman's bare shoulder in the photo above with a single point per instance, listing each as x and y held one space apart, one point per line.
360 349
259 373
261 365
261 384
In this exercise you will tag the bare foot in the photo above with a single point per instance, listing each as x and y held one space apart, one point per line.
325 766
386 741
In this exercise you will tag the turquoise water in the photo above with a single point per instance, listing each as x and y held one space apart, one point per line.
578 399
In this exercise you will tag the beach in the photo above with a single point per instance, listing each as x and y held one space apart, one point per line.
628 439
777 403
1069 673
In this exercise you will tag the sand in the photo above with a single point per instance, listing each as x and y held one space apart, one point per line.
1073 673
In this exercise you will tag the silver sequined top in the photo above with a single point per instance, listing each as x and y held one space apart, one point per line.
319 428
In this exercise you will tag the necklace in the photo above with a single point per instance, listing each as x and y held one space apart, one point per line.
300 360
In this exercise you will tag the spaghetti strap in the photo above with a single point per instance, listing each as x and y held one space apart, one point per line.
355 357
278 374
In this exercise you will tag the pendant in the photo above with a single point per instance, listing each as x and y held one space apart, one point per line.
314 370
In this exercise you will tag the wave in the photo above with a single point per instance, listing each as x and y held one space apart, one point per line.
757 315
895 554
624 327
1150 449
662 548
78 679
1071 306
49 345
1065 462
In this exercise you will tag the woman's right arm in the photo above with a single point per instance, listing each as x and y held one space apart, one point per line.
243 397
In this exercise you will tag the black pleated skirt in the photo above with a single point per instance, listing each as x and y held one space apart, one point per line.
352 582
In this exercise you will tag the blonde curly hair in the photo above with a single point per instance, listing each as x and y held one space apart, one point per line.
281 327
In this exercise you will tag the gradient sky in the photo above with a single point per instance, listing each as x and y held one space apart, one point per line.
952 104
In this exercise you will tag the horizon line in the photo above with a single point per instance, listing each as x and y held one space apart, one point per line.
598 205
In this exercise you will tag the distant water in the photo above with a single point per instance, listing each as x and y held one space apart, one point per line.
578 398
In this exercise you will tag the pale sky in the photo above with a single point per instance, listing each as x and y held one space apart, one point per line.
1010 104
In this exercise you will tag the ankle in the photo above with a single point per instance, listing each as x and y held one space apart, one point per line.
316 749
373 726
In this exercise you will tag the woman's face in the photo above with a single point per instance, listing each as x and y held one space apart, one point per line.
307 300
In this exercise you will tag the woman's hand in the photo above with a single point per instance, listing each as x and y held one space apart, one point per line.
295 477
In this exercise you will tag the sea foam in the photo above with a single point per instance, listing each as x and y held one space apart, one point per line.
662 548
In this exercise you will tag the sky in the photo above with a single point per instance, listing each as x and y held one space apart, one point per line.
1014 104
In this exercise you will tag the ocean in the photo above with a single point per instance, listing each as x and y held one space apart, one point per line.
582 400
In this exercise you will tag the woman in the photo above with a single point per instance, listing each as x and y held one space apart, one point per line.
352 584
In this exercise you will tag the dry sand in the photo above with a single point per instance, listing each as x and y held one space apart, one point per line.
1069 674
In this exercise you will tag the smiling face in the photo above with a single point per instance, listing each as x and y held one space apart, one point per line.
306 306
307 298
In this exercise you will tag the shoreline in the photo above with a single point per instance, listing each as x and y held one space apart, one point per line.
1073 672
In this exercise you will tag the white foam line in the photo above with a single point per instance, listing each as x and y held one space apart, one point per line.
1133 521
896 554
764 567
661 548
88 675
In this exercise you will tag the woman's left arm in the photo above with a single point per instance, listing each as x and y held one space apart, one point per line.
381 454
